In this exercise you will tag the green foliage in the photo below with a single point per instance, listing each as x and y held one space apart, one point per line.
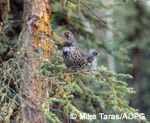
134 29
91 90
73 91
9 91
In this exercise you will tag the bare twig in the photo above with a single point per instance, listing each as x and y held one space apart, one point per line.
104 23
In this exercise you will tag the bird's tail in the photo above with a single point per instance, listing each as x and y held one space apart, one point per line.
92 55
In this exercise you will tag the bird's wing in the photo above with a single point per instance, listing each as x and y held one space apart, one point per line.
81 53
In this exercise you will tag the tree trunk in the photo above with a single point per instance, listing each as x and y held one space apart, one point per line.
37 46
137 75
109 35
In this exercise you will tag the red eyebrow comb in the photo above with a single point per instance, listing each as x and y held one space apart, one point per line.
66 33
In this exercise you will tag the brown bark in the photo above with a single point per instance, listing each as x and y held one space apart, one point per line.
136 56
37 45
137 75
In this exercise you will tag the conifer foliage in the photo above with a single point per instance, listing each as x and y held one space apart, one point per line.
79 91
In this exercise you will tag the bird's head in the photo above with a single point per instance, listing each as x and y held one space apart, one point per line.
68 44
68 34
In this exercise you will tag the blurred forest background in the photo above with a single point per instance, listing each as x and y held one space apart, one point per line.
118 29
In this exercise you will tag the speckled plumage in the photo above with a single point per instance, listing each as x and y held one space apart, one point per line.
75 57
